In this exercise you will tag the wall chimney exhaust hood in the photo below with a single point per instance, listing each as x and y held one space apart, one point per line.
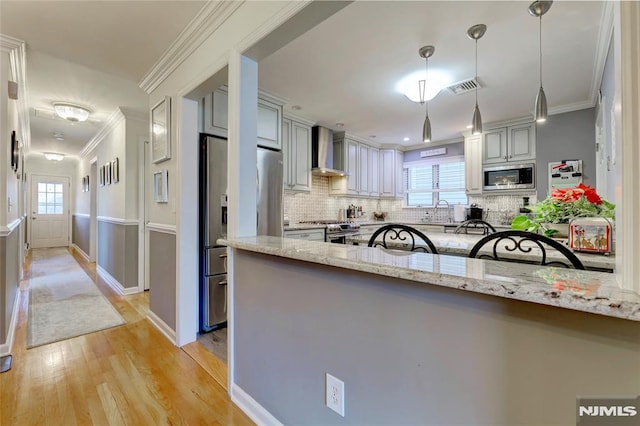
322 152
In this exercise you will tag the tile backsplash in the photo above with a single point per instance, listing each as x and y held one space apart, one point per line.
320 205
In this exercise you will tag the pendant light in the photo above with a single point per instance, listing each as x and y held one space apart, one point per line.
425 52
475 33
537 9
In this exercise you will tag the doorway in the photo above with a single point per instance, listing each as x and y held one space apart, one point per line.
50 214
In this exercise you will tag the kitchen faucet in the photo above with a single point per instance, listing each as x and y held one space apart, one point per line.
449 219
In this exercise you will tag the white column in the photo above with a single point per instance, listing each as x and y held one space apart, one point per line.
243 141
186 221
627 215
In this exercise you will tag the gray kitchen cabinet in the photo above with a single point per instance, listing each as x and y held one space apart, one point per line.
473 164
374 175
345 157
296 155
363 169
316 234
513 143
372 172
269 124
269 118
390 173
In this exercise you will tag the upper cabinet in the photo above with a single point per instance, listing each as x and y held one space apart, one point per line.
473 164
513 143
215 120
371 172
296 154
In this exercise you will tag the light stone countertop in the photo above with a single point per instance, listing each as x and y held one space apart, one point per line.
461 245
587 291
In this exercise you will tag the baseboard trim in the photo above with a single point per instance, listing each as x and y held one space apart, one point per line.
5 348
162 327
251 408
115 284
81 252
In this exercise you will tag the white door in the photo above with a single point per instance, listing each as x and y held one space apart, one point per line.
49 211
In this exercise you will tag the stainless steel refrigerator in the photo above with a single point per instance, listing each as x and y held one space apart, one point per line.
213 220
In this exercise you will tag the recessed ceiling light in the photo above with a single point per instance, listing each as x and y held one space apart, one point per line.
340 125
59 136
406 139
372 136
296 107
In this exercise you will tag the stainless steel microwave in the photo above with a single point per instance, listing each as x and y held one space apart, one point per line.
509 177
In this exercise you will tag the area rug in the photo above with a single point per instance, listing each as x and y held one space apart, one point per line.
63 301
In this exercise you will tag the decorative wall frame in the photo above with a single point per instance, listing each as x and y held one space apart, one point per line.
14 154
161 131
101 174
107 173
115 170
160 186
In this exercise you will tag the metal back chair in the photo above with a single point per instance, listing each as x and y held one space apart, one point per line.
535 246
402 237
475 226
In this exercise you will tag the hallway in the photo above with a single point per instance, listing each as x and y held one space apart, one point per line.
124 375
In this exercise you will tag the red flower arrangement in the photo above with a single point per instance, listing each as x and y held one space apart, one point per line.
562 206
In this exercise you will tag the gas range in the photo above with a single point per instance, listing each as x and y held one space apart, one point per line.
337 231
334 227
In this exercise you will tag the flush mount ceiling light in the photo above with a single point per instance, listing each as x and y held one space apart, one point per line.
53 156
73 113
425 52
438 80
537 9
475 33
59 136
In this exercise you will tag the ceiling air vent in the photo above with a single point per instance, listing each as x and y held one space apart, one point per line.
464 86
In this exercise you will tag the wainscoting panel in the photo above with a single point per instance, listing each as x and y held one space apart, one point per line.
9 281
81 232
162 276
118 251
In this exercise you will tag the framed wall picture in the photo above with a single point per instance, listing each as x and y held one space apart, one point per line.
107 173
115 170
14 152
84 184
101 175
160 186
161 131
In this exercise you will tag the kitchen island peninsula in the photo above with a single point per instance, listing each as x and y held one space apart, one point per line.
424 339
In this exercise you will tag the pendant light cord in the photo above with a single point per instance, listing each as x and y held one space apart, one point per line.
426 79
540 50
476 72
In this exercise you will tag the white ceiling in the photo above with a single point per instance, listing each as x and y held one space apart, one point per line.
92 53
345 69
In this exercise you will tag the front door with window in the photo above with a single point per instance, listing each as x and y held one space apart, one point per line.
49 211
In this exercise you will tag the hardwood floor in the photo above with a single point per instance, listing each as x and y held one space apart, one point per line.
127 375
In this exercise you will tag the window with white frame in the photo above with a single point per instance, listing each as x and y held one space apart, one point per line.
429 181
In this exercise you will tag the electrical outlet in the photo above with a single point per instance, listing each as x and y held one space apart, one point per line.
335 394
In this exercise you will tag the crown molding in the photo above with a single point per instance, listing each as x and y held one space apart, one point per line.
114 119
18 62
298 118
130 114
204 24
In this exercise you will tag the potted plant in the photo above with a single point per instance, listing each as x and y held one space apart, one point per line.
562 206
